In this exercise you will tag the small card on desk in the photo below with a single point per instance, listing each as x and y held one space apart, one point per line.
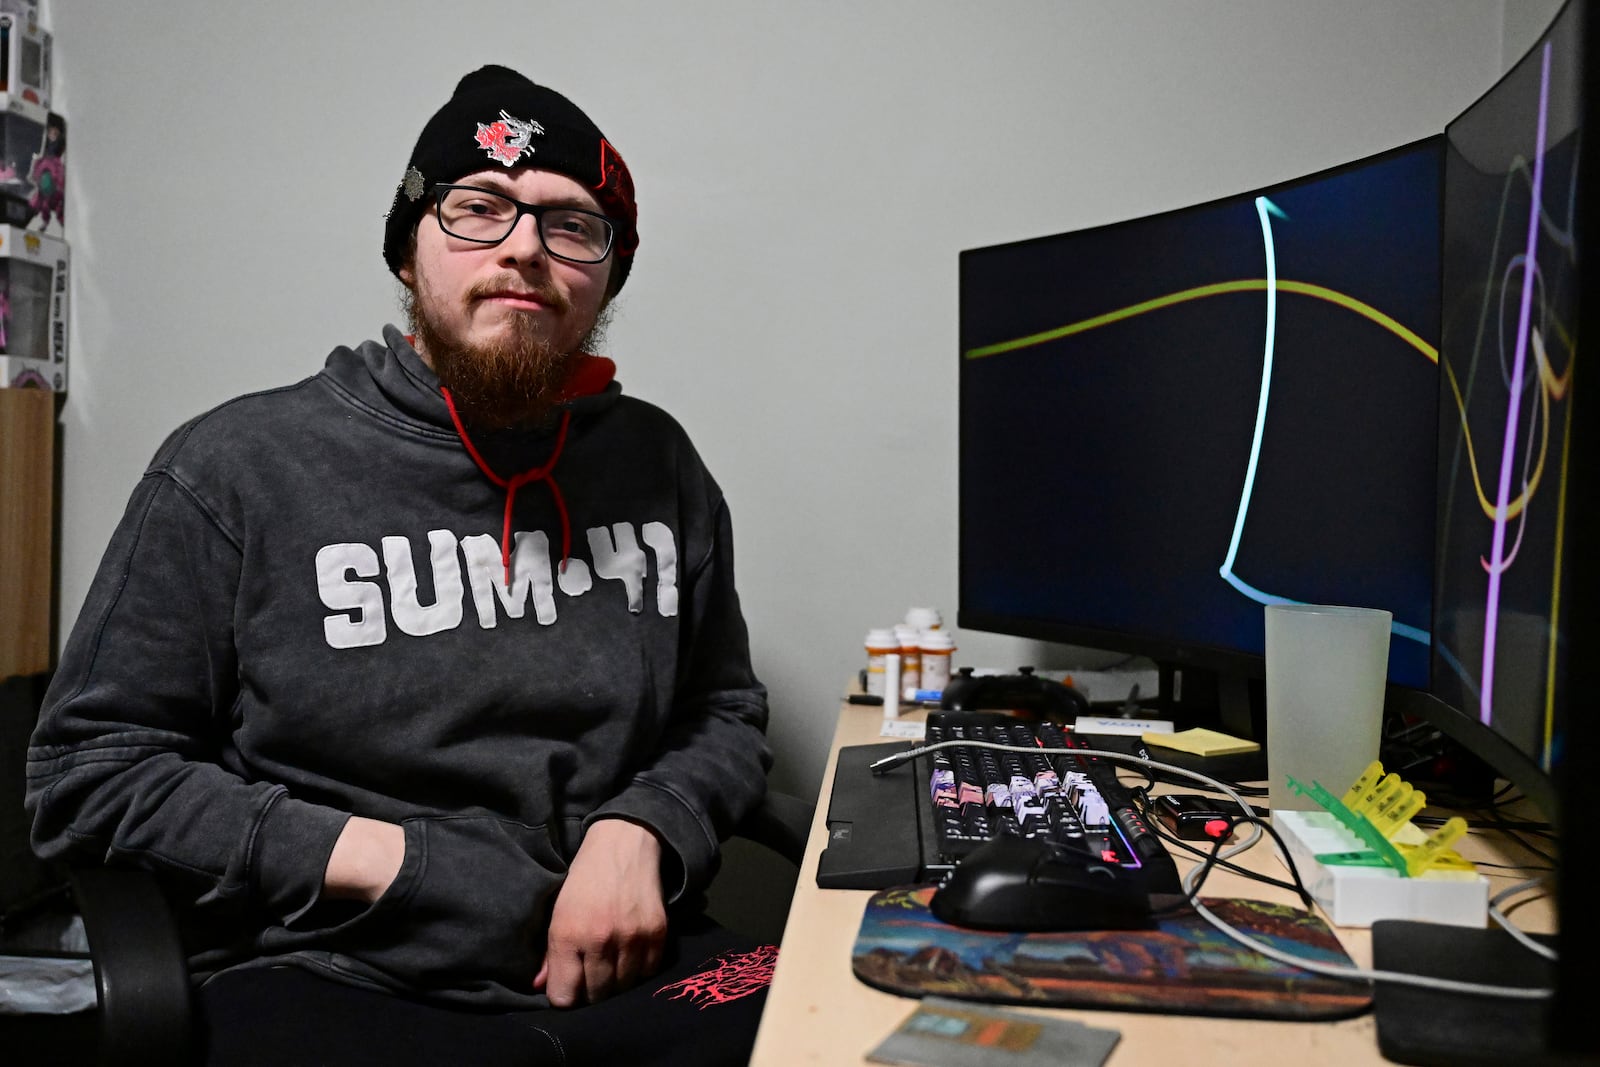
955 1033
1104 724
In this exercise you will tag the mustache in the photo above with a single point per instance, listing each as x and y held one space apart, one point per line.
545 294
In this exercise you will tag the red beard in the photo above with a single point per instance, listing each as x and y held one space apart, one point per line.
516 379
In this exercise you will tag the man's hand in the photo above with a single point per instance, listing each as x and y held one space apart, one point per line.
609 922
365 859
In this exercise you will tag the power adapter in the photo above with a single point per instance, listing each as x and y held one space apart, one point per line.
1194 817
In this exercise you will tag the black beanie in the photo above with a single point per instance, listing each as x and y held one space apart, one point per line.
497 116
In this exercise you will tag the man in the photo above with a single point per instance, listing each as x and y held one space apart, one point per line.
426 677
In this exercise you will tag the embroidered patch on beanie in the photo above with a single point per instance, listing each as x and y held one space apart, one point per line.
499 117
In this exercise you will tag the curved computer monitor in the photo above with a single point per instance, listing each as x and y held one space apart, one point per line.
1356 388
1516 589
1502 586
1168 422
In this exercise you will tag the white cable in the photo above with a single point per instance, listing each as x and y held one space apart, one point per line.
1511 928
1191 881
1206 780
1367 974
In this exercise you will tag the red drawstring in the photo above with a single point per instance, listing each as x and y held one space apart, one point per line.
516 482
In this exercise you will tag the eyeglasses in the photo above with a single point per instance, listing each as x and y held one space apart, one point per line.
488 217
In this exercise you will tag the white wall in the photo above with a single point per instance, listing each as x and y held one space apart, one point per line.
807 174
1525 20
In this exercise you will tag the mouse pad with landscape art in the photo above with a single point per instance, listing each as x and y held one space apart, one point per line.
1184 964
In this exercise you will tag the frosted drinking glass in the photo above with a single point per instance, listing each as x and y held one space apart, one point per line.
1326 667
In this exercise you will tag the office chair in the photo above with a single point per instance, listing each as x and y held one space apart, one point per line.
143 1015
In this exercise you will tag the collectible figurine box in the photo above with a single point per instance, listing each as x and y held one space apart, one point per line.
24 54
33 310
33 166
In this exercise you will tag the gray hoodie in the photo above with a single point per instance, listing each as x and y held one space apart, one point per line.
304 614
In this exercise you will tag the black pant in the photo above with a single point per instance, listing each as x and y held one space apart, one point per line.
701 1010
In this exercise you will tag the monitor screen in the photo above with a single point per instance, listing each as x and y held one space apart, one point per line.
1516 586
1510 298
1169 422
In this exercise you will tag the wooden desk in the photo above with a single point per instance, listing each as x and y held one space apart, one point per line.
819 1013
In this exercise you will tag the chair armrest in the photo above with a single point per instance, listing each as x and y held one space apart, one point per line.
142 977
782 823
140 972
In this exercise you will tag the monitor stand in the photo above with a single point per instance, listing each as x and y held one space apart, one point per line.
1237 702
1428 1026
1231 703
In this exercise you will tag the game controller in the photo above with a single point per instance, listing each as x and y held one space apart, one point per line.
1023 693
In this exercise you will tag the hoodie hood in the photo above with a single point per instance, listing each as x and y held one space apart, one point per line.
391 378
392 375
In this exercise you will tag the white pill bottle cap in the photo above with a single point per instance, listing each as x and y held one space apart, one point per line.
883 638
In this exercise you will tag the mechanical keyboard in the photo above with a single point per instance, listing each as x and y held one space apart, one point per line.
917 820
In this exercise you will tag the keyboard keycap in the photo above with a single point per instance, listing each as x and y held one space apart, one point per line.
1060 797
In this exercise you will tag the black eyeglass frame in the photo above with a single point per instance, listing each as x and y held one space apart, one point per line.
536 210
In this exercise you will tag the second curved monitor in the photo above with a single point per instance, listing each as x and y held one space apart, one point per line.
1168 422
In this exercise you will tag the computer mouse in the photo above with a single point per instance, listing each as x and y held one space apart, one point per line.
1012 883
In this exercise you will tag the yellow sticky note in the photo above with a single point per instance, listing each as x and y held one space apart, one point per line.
1202 742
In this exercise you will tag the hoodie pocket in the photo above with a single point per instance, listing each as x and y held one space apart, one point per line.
468 910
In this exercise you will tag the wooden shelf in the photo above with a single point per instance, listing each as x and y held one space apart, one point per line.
27 487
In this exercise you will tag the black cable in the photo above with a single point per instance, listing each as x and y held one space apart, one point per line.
1188 783
1212 859
1539 852
1493 821
1487 816
1172 839
1537 829
46 953
1511 866
1145 768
